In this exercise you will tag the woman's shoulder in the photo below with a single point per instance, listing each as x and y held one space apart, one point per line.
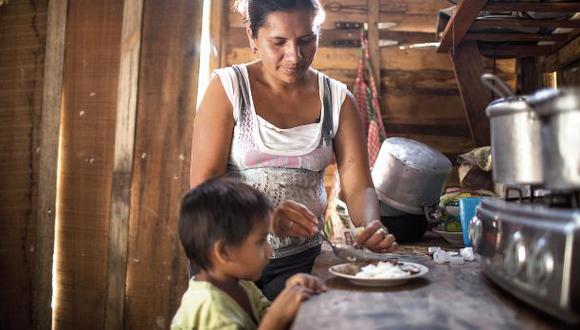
334 83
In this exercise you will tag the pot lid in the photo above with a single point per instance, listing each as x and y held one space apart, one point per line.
550 101
416 154
507 106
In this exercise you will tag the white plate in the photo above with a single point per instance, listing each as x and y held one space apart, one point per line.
344 271
452 237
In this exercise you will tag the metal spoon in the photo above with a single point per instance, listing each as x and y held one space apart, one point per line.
347 253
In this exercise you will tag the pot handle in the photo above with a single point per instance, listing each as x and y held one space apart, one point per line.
492 82
433 213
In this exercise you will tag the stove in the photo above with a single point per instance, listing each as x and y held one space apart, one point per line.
530 246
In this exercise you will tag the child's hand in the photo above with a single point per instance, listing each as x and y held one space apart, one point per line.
311 282
283 310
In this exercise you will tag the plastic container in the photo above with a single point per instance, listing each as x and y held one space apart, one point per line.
466 213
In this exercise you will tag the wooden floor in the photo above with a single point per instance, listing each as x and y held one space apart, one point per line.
448 297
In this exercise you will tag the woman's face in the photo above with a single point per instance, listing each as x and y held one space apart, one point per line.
287 43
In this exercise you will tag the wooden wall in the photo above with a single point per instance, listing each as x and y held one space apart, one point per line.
118 97
419 96
22 41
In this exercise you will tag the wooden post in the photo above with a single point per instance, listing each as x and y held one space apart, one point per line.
530 75
48 162
373 13
123 163
468 68
216 30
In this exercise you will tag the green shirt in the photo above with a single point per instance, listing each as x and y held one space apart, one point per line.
205 306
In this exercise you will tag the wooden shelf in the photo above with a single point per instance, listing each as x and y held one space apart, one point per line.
466 18
465 42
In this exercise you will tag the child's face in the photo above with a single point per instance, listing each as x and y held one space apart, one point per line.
250 258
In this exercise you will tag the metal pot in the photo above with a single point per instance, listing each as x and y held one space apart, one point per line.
516 143
559 110
409 176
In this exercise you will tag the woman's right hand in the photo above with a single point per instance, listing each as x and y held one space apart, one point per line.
294 219
285 306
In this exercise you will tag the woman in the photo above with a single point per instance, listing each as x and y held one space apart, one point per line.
276 123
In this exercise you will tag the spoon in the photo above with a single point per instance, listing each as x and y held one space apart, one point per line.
347 253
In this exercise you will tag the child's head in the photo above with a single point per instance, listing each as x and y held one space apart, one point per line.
224 223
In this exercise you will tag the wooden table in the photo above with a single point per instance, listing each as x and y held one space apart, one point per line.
448 297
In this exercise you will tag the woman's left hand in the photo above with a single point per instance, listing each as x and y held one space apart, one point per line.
376 238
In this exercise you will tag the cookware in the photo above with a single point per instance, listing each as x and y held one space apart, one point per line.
559 110
515 137
409 176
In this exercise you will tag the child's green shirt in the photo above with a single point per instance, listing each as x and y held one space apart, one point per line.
205 306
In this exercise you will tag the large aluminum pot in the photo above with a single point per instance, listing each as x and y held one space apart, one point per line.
409 176
516 144
559 110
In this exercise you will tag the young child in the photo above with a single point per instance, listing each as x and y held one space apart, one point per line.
223 227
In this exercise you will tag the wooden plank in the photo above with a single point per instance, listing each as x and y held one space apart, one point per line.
495 23
563 57
237 38
169 60
468 69
439 130
533 6
373 41
48 159
420 16
392 58
511 51
480 36
89 99
459 24
123 164
25 294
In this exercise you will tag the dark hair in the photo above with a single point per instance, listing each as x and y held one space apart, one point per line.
217 209
255 11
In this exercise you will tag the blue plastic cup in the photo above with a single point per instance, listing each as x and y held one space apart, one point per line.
466 213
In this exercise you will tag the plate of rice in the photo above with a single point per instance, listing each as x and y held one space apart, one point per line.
379 273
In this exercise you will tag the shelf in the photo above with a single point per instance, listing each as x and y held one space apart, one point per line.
465 18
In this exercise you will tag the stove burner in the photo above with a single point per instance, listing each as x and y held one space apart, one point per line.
552 199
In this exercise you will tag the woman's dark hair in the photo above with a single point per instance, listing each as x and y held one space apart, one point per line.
218 209
256 11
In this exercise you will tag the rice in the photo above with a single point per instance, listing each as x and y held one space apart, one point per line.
382 270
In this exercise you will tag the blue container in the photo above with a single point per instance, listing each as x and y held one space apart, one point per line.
466 213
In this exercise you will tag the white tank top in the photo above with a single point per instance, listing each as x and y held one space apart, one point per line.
285 164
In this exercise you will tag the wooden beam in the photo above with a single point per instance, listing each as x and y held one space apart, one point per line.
374 17
459 24
563 57
533 6
123 164
468 69
48 162
494 23
480 36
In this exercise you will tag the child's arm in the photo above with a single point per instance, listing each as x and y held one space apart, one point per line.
284 308
311 282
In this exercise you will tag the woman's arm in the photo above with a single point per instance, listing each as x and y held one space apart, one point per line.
212 134
356 183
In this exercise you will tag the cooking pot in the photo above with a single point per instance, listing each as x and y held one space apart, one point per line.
516 144
409 176
559 110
